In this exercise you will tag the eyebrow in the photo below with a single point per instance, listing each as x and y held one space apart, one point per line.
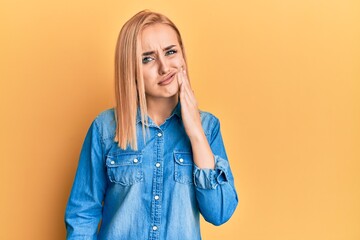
152 52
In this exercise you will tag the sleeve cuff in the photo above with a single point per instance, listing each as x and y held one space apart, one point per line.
211 178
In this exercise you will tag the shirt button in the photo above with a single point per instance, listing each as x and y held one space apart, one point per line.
159 134
112 162
181 160
155 228
136 160
156 197
157 165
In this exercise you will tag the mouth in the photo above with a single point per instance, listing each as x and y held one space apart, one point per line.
167 79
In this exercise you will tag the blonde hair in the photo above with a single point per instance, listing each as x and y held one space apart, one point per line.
129 83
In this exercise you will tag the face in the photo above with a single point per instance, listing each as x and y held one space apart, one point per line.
161 58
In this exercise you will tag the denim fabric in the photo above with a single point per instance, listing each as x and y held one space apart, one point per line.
156 192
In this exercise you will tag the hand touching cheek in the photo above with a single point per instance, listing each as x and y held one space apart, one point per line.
202 154
189 107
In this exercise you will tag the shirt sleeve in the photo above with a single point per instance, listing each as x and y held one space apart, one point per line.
215 190
84 207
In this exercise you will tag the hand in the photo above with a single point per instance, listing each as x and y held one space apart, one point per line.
189 108
202 153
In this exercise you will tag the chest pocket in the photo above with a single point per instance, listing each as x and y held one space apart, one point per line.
184 167
125 168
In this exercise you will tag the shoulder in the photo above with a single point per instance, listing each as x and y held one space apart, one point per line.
209 122
105 122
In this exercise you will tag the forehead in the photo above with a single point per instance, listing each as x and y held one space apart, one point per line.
158 36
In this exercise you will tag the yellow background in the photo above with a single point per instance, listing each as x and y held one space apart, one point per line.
283 77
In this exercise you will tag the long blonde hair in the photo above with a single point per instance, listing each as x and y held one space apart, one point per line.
129 83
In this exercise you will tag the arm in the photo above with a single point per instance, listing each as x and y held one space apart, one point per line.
215 191
84 207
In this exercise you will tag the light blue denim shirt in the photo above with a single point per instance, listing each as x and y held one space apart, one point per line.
156 192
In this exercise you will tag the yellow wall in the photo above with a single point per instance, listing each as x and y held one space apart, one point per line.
283 77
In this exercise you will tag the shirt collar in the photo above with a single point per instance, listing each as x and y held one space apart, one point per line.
176 111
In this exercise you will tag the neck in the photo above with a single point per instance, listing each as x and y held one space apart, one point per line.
159 109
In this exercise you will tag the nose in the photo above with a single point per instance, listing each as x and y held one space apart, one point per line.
163 66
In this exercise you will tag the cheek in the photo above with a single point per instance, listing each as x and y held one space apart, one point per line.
180 61
147 73
177 62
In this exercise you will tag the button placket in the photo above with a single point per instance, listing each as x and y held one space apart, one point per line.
158 185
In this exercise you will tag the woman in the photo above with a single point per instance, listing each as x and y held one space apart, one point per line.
149 166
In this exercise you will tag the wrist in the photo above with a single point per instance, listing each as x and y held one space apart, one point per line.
197 136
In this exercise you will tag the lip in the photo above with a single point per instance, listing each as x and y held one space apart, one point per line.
167 79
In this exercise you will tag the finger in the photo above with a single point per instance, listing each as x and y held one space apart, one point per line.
179 78
188 88
189 92
189 98
182 91
184 75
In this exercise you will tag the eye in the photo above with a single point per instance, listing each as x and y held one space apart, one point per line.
147 60
170 52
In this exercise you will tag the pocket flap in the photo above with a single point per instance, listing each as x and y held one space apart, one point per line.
183 158
123 159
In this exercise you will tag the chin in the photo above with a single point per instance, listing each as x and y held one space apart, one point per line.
170 95
172 91
168 92
162 96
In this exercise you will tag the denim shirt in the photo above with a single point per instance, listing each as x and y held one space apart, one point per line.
156 192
